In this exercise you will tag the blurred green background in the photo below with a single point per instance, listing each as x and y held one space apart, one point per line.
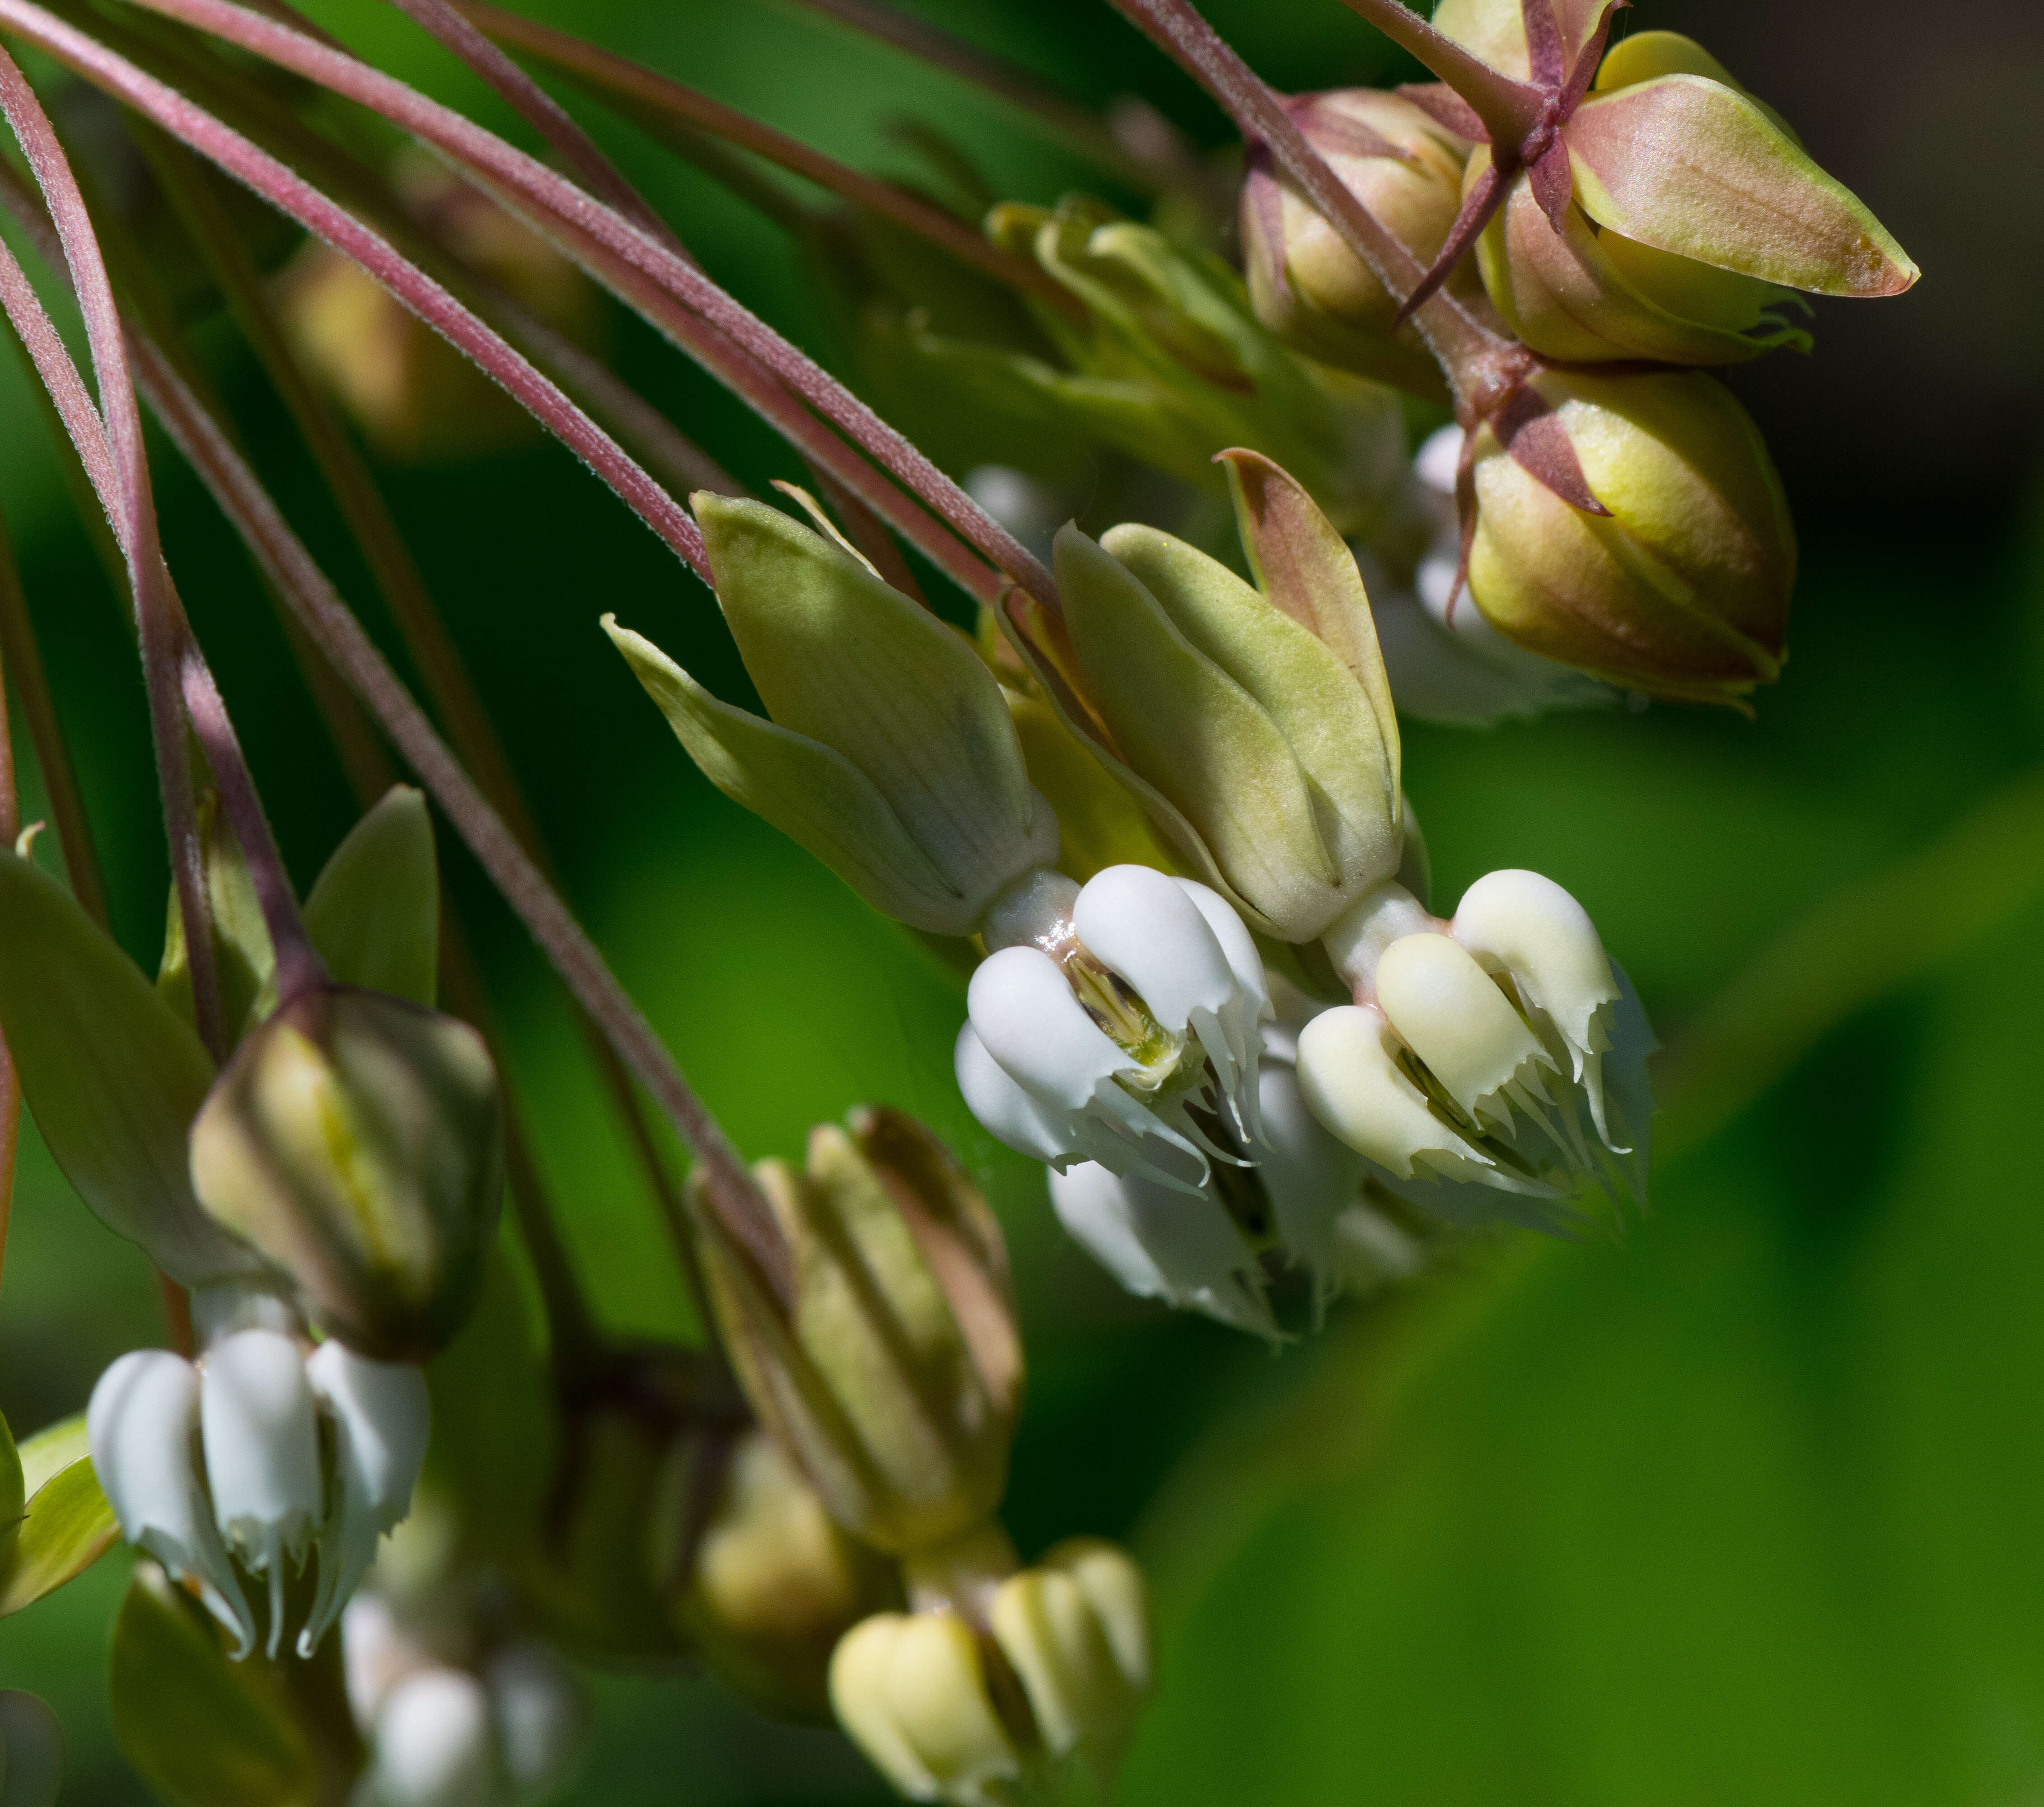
1745 1504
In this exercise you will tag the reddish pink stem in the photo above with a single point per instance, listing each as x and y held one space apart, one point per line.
555 204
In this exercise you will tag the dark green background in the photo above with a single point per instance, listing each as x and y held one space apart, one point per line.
1746 1506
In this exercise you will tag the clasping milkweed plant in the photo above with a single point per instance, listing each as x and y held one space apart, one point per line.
1155 809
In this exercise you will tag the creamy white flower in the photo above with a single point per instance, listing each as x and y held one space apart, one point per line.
381 1418
141 1425
1112 1017
434 1746
1475 1049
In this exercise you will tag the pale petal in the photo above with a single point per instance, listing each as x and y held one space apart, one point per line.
1161 1244
1453 1016
139 1426
259 1426
1024 1013
1006 1112
1310 1176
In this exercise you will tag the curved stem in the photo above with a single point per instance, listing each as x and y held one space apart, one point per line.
652 98
551 202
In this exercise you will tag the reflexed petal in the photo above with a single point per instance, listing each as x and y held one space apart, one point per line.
1158 933
1006 1112
380 1417
1450 1013
259 1426
139 1427
1545 940
1352 1083
1309 1176
1161 1244
1025 1013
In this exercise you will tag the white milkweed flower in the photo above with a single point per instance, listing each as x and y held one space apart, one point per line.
434 1743
1476 1047
1116 1022
217 1466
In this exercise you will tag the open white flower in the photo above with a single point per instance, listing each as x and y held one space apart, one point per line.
1116 1023
1476 1048
217 1469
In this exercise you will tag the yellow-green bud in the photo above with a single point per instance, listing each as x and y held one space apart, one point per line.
910 1689
356 1141
772 1581
1682 590
1076 1630
893 1370
1307 287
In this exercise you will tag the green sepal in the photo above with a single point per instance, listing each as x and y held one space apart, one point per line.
841 659
1199 737
1742 196
243 957
812 794
375 912
201 1730
113 1074
69 1525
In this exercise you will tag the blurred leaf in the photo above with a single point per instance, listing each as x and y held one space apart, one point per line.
69 1525
31 1751
112 1074
201 1730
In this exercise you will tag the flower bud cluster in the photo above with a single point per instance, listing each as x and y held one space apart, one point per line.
263 1460
1611 211
997 1671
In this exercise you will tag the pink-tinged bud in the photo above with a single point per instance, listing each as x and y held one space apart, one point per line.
1306 285
1681 590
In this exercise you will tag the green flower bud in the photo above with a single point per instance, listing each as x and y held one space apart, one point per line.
356 1140
892 1372
1309 287
1587 297
890 755
1682 589
1254 725
771 1583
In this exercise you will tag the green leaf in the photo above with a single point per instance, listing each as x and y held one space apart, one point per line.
112 1074
812 794
200 1730
840 658
243 957
1190 730
375 912
31 1751
69 1525
1686 165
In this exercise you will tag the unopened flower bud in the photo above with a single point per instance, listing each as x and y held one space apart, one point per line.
1681 589
773 1582
1076 1629
1308 286
889 755
893 1371
1254 724
356 1140
910 1691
